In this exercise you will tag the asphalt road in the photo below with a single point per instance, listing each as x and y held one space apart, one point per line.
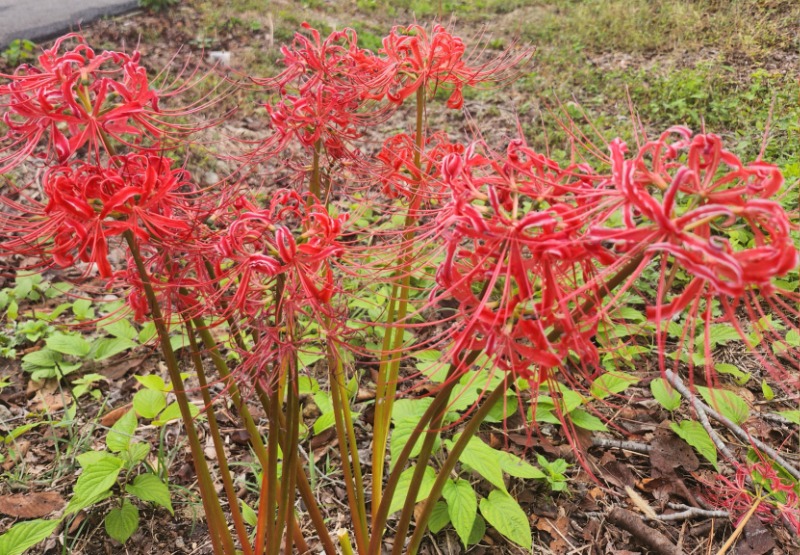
38 20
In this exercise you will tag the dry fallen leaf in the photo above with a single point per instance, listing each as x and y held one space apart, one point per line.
110 418
30 505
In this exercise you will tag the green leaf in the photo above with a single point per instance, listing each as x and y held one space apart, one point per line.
514 466
149 402
404 483
504 513
135 453
482 459
792 416
24 535
695 435
121 433
611 383
410 408
462 506
766 390
74 345
478 530
733 370
152 381
402 434
325 421
147 332
173 412
248 514
98 477
82 309
149 487
730 405
664 393
122 522
439 517
719 334
120 328
107 347
587 421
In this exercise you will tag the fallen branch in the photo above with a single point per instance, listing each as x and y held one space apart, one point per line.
693 512
644 534
621 444
704 411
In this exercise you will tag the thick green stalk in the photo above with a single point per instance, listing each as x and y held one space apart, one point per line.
220 535
434 412
389 368
348 449
227 482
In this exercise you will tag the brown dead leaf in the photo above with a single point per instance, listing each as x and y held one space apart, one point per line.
48 396
117 370
77 521
30 505
16 453
110 418
671 452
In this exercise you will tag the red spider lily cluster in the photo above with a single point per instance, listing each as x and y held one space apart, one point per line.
535 254
776 498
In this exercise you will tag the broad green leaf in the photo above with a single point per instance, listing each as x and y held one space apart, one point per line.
439 517
248 514
95 482
462 507
514 466
122 522
665 394
402 434
82 309
695 435
792 416
153 381
410 408
793 338
135 453
308 357
147 332
149 402
325 421
107 347
629 313
732 370
482 459
719 334
404 483
149 487
121 433
307 385
24 535
504 513
611 383
729 404
478 530
587 421
173 412
121 328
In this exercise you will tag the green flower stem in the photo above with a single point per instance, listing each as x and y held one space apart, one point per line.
393 339
435 412
348 448
227 482
218 529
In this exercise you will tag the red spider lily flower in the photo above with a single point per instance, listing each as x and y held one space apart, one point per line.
400 175
88 204
778 499
79 97
515 260
412 59
259 245
322 101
